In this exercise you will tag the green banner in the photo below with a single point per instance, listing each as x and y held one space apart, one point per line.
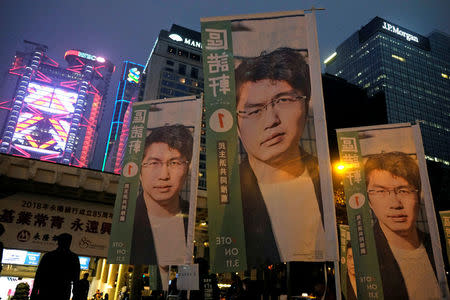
367 271
226 234
125 205
445 217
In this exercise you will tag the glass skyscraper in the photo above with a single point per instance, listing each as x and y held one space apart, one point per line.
174 69
413 72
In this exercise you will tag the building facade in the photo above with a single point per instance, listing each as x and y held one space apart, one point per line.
174 69
52 112
410 69
127 93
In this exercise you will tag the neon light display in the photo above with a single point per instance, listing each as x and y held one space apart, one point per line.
84 55
90 131
44 121
53 115
127 92
133 75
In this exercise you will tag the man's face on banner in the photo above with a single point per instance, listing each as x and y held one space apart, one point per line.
274 120
394 201
163 172
350 262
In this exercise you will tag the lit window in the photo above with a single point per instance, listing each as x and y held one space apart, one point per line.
444 75
171 50
398 58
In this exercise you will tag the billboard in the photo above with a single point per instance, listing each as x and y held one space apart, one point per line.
263 91
44 122
33 221
157 192
393 227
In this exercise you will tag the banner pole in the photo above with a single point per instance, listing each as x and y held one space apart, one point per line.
322 150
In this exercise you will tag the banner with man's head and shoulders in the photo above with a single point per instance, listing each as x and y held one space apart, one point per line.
154 213
394 235
266 141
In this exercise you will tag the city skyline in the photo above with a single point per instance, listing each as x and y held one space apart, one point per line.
121 32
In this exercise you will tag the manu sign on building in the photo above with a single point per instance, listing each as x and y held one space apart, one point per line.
186 36
185 40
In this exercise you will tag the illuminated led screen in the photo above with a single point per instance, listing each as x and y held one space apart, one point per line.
44 121
84 262
20 257
28 258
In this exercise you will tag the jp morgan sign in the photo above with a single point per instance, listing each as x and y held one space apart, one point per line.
378 25
396 30
188 41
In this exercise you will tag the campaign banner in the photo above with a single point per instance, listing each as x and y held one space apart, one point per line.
264 112
154 213
347 266
445 218
393 229
33 221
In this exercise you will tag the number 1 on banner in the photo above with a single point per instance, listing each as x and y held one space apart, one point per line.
221 115
221 120
130 169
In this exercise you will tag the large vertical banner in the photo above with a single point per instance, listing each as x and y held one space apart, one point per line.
394 237
264 112
154 213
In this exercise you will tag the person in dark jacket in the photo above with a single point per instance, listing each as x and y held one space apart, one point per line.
56 272
405 255
81 288
282 207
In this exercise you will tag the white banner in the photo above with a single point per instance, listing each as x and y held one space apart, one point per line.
33 221
188 278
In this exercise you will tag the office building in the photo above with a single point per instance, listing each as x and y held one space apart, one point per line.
174 69
413 72
127 93
51 112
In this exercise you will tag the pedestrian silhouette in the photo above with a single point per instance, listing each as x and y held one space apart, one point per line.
81 288
56 272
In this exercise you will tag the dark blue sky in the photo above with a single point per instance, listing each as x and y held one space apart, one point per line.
121 30
126 29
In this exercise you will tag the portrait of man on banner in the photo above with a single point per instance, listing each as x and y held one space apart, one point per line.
162 184
394 188
280 187
161 218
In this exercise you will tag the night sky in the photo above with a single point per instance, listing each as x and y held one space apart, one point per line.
126 30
